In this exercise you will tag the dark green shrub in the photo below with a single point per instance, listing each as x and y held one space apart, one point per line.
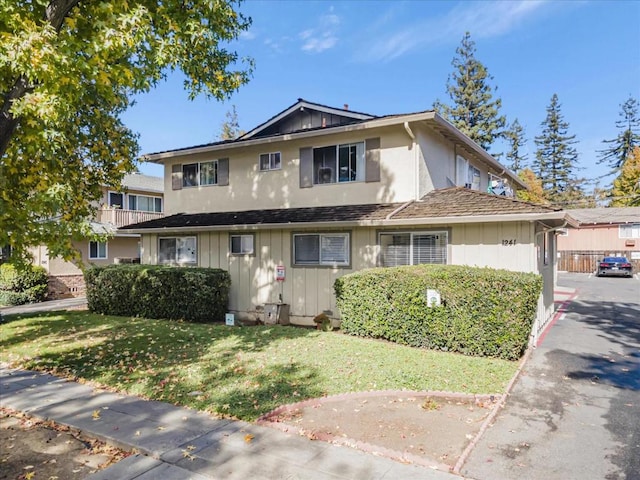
151 291
27 285
484 312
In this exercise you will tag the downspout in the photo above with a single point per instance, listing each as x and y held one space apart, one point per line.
416 195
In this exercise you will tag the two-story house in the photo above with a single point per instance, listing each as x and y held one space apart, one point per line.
141 198
317 192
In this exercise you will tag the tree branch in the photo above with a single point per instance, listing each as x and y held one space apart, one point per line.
55 13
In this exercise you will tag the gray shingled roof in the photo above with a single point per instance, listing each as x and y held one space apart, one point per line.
462 202
138 181
449 202
613 215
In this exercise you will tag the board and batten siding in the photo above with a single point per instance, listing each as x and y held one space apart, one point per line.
497 245
309 290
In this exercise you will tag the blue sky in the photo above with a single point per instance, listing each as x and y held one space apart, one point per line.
385 57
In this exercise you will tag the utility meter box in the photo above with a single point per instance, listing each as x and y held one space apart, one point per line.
276 313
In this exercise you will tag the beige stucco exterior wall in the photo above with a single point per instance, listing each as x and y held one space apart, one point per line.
117 247
309 291
250 188
601 238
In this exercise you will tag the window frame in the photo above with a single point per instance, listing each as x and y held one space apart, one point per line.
322 264
175 261
136 196
98 257
241 253
412 234
113 192
360 162
271 157
198 174
632 228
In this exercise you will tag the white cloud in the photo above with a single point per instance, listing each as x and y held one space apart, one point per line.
323 36
248 35
482 19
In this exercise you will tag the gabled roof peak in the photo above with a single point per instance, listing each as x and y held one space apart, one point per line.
294 118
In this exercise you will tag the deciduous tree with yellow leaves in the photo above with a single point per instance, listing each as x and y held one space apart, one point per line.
626 187
68 70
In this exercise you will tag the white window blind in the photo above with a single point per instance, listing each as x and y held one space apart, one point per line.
413 248
321 249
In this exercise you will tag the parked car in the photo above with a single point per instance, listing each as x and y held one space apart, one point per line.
618 266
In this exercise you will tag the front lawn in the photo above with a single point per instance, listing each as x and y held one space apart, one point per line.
241 372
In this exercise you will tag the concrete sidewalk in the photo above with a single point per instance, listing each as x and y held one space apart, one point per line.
177 443
46 306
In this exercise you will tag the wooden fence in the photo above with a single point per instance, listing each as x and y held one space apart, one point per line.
586 261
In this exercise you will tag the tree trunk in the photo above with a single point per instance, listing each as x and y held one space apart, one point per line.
55 13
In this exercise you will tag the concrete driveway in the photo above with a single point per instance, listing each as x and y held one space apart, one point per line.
574 413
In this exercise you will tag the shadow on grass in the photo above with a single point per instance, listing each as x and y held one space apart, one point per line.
208 367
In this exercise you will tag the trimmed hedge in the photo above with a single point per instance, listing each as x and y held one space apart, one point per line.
151 291
28 285
484 312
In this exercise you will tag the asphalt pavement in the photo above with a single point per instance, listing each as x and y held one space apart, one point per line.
574 412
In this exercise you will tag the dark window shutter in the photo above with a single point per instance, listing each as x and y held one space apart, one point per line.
372 159
306 167
223 171
176 177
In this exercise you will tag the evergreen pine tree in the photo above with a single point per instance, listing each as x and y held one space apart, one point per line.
622 146
556 158
474 111
515 139
626 188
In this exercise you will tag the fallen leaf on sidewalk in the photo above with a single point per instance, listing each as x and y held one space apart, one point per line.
96 415
248 437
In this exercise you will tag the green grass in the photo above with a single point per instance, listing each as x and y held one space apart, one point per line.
241 372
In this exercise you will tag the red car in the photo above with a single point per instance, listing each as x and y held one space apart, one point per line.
618 266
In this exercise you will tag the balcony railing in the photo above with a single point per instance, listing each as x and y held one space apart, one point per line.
120 218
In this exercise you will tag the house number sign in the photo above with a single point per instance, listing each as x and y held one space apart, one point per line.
508 242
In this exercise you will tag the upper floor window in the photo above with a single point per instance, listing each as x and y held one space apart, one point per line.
97 250
116 200
467 175
173 250
629 231
145 203
331 249
413 248
270 161
339 163
202 173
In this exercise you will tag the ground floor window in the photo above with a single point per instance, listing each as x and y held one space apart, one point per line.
629 231
329 249
97 250
413 248
177 250
242 244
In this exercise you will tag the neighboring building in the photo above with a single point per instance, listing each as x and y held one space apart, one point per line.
140 199
602 232
318 192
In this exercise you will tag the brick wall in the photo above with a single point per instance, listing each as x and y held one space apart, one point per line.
66 286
